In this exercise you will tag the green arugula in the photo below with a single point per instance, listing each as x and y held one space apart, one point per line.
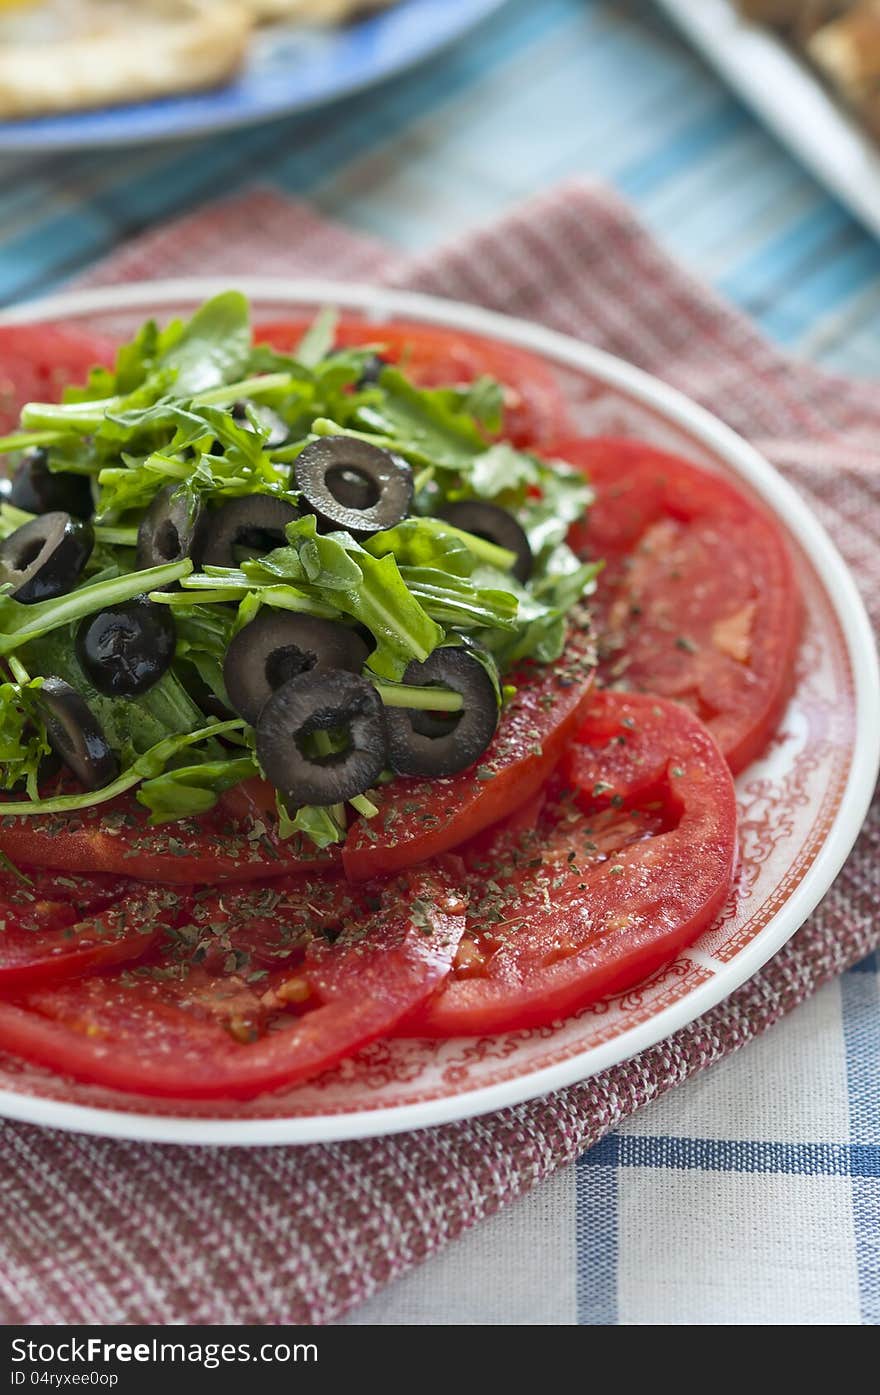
164 415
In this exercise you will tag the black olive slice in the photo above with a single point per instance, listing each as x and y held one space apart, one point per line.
495 525
252 525
168 529
353 485
46 557
279 432
125 649
37 489
76 736
280 645
433 745
331 701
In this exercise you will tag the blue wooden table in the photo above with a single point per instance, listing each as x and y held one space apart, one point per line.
541 91
547 89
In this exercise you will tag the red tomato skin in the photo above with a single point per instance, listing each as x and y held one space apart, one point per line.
602 932
164 1037
419 819
38 361
535 413
116 838
713 546
110 929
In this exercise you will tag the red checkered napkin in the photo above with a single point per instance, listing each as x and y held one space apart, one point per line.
103 1232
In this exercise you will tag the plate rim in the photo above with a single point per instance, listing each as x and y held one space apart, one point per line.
25 137
748 464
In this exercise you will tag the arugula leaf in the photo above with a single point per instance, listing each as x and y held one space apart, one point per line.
138 360
323 826
565 497
145 767
434 542
214 347
23 740
451 600
541 625
193 789
334 569
319 338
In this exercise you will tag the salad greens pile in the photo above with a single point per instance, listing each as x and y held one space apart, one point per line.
170 413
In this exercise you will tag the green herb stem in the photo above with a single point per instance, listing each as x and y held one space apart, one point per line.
32 621
364 806
12 518
488 552
248 387
18 670
23 440
181 599
420 699
64 418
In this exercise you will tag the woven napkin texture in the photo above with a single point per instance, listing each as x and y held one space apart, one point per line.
98 1231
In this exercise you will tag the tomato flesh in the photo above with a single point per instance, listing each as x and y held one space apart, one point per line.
698 600
59 927
262 987
607 886
418 819
535 413
226 844
38 361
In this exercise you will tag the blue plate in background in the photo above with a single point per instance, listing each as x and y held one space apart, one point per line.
290 69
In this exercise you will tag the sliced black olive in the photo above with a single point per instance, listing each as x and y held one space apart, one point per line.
249 526
331 702
279 433
169 528
371 371
494 525
353 485
433 745
76 736
37 489
46 557
280 645
125 649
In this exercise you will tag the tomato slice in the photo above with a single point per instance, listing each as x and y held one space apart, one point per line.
56 927
535 413
251 995
227 844
38 361
419 818
607 886
699 599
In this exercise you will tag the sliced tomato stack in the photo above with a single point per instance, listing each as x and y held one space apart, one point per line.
59 927
698 600
262 987
230 843
611 881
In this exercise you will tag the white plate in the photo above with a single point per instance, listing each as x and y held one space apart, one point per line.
788 96
801 806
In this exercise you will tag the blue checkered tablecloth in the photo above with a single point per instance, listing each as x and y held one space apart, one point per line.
751 1194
